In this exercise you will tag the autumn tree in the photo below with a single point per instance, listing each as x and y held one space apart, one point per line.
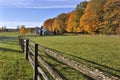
74 19
58 25
48 24
71 22
22 30
66 21
79 12
111 17
92 17
95 16
31 30
55 28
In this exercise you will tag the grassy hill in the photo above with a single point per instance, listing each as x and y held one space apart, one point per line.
12 61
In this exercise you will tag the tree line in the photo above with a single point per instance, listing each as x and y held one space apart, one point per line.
24 30
93 17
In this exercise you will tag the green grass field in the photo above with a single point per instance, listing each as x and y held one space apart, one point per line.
13 65
102 52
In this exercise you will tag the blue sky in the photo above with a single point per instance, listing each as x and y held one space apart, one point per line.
32 12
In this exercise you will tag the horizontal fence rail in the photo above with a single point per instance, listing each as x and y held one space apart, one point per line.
31 54
30 49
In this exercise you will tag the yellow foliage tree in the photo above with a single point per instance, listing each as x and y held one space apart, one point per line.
58 25
31 30
91 18
74 19
22 30
48 24
112 16
71 22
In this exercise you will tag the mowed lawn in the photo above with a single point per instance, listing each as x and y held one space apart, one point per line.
102 52
13 65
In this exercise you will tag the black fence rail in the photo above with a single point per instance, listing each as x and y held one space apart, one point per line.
31 48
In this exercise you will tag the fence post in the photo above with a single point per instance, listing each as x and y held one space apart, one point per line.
27 49
21 43
35 62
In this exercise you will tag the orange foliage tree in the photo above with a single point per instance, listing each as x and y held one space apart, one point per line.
95 16
92 16
48 24
74 19
66 21
22 30
58 25
111 16
71 22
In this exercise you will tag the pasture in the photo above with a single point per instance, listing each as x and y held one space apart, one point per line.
101 52
13 65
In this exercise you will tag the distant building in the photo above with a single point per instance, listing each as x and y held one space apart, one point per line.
46 32
42 31
37 30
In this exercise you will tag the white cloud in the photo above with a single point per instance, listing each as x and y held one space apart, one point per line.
15 24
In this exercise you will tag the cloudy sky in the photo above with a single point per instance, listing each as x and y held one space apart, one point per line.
32 12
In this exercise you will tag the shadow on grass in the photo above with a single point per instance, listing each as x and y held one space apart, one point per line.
53 67
103 66
63 67
10 50
9 40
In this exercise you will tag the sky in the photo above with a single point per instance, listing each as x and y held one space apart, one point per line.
32 13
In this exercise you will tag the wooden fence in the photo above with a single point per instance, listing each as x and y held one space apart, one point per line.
31 48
